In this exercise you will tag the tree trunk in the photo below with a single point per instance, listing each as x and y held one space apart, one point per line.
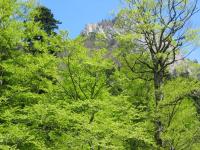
158 81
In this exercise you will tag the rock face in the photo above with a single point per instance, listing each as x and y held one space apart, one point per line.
90 28
185 67
103 27
180 61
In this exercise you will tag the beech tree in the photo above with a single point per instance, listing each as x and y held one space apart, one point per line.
86 98
159 29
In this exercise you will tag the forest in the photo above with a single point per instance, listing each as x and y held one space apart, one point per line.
127 85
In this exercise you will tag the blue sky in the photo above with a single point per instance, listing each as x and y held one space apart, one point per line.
75 14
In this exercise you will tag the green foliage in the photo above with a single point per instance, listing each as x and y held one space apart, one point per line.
57 94
179 113
84 71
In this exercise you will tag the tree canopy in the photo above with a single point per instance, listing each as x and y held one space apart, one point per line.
133 94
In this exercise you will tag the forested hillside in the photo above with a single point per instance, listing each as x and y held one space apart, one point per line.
123 84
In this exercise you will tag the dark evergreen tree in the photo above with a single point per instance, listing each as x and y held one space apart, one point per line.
47 20
47 23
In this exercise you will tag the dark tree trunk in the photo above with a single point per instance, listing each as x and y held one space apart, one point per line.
158 81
